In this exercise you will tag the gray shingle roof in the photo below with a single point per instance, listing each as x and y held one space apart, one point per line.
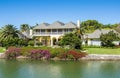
71 25
97 33
56 25
42 26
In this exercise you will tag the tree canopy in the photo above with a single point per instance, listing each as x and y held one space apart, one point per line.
107 39
24 27
118 28
72 40
9 36
90 25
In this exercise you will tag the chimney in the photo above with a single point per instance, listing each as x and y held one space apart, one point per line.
31 32
78 23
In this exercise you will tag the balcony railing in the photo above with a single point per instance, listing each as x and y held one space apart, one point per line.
49 33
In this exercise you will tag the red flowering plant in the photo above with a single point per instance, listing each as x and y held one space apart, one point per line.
76 55
12 52
72 54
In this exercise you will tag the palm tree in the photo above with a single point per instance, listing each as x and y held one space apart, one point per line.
9 33
24 27
80 32
118 28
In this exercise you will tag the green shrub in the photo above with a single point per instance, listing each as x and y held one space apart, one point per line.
107 39
56 51
39 43
31 43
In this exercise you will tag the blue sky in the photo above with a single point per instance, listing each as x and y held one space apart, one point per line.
18 12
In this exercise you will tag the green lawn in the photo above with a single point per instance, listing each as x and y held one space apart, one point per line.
2 49
103 51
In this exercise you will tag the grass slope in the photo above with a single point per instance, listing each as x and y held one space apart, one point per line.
103 51
2 49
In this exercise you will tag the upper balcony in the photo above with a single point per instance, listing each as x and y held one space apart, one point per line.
51 32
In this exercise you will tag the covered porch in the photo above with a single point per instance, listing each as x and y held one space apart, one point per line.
47 40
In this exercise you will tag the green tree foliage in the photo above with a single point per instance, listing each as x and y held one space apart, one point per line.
90 26
72 40
118 28
107 39
110 26
39 43
24 27
9 35
31 43
23 42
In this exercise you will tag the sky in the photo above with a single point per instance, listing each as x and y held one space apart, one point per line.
17 12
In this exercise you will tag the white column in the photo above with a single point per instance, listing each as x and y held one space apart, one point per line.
51 31
57 31
56 39
78 23
31 32
89 42
51 41
40 39
40 31
62 31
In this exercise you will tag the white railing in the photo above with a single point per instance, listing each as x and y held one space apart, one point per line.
49 33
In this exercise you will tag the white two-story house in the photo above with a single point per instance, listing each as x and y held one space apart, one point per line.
49 34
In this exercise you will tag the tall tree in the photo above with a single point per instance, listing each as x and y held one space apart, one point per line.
118 28
24 27
90 25
9 35
72 40
107 39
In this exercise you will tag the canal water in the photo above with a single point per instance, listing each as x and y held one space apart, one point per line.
59 69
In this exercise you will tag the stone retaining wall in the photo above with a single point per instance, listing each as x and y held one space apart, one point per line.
101 57
2 55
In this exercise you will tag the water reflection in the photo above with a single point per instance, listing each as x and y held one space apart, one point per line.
59 69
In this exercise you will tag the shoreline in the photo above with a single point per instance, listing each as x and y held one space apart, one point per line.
101 57
92 57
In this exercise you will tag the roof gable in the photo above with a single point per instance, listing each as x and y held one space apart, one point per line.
97 33
43 25
56 25
70 24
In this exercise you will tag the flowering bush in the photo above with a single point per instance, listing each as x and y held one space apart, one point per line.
12 52
38 54
72 54
76 55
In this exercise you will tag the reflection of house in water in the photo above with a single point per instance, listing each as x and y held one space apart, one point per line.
50 34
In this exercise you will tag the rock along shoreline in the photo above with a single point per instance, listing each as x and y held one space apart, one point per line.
92 57
101 57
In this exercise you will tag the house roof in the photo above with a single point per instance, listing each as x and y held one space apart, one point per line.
97 33
56 25
41 26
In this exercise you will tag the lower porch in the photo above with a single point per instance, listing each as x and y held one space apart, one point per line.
47 40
